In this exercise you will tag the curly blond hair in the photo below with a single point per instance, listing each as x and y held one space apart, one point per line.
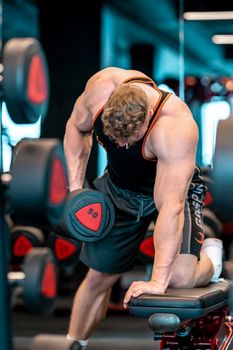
125 112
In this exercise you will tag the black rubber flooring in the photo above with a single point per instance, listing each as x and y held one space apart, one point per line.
119 331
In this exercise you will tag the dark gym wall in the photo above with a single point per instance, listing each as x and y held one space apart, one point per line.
71 40
142 58
20 19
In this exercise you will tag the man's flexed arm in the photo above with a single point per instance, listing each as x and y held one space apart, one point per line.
174 142
175 168
78 143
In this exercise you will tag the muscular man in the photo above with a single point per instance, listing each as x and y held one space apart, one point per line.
150 138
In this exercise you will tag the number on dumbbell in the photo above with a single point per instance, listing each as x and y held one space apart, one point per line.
93 213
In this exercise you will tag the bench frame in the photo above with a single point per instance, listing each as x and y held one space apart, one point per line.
189 319
212 331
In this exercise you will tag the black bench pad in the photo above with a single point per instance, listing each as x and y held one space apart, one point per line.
185 303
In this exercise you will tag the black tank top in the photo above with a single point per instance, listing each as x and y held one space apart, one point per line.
129 168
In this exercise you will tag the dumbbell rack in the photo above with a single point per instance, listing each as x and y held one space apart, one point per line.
5 321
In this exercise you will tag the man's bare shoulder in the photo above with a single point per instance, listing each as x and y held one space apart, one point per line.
175 106
175 124
105 76
100 86
112 74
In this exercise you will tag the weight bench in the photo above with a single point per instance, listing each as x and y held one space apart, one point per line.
197 318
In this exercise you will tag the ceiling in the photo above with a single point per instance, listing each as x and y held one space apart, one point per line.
161 19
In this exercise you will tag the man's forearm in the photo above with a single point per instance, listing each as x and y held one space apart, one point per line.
77 147
167 240
76 175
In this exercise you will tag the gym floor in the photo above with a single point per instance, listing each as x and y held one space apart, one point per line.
118 331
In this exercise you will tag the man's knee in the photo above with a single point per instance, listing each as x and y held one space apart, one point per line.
184 272
180 279
100 281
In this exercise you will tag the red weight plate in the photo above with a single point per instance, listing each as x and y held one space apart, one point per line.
22 246
147 247
58 183
90 216
49 281
37 91
208 199
63 249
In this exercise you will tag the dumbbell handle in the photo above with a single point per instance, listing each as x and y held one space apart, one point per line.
16 282
16 278
6 178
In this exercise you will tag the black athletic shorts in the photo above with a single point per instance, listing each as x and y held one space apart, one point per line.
118 251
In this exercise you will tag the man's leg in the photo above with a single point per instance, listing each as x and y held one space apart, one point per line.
189 272
196 266
90 303
115 253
